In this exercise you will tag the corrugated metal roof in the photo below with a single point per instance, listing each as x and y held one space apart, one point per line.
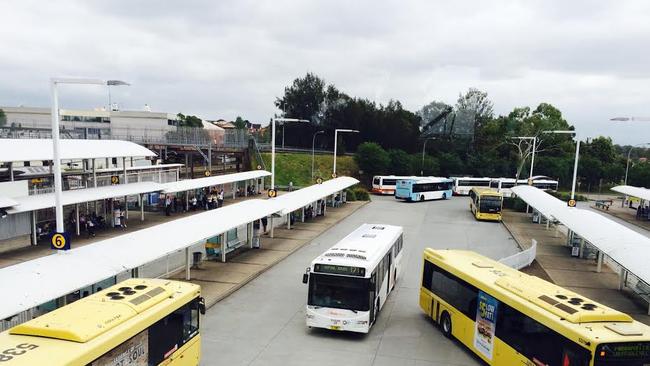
625 246
41 149
189 184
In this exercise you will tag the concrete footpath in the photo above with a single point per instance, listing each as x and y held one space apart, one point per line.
555 264
624 213
218 280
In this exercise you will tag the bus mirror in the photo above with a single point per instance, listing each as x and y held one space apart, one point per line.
305 278
202 306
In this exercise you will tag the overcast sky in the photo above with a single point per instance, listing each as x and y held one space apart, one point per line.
221 59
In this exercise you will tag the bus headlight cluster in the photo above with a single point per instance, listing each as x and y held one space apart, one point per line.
362 322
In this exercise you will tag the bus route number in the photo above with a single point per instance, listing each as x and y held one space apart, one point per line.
10 353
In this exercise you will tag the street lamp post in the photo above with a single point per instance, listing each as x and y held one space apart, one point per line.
60 228
313 146
273 121
627 167
335 144
423 150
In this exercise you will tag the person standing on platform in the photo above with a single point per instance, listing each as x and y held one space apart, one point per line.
168 206
264 223
220 198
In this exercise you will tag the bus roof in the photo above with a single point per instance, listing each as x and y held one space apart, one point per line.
429 179
86 329
364 247
471 178
481 191
548 300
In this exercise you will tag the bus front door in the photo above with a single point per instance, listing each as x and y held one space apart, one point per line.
372 291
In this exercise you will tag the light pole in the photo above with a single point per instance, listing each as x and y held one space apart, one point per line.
423 150
627 167
273 143
335 144
55 138
313 145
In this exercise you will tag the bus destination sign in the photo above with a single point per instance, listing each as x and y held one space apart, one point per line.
340 270
628 350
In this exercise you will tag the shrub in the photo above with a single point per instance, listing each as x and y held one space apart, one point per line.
361 194
350 195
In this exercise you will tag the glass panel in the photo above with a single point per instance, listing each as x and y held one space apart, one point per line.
338 292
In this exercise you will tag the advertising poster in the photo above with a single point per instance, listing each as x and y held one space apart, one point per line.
134 352
486 320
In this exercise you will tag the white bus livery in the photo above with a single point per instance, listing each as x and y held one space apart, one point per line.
504 185
349 283
385 184
462 185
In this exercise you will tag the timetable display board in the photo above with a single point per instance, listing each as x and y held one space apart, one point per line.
340 270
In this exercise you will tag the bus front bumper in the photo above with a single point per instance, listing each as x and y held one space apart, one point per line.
337 319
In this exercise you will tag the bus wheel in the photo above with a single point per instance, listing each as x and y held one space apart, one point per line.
421 198
445 324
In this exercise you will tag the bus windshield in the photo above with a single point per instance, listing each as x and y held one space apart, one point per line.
490 204
341 292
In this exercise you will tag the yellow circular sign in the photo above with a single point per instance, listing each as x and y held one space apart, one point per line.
58 241
207 173
571 203
333 175
115 179
272 193
259 167
319 180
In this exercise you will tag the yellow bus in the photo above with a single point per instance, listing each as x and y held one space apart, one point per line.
486 204
508 318
136 322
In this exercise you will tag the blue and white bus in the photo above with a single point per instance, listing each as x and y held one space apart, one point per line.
422 189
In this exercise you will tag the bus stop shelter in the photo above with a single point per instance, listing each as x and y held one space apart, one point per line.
643 194
627 248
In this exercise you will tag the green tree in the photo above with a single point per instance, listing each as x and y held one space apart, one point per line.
400 162
450 164
189 121
431 167
240 123
303 99
372 159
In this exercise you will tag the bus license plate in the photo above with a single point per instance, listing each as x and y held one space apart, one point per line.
335 327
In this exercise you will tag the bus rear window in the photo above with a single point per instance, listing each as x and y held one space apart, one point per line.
623 354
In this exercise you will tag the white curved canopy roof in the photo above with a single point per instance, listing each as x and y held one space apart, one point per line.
41 149
638 192
626 247
295 200
190 184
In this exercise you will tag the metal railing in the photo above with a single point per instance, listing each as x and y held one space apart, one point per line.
522 259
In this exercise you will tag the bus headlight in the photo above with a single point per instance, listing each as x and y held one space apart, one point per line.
362 322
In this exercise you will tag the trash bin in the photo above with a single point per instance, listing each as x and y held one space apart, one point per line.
196 259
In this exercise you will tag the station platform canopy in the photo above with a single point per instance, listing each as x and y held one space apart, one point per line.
47 200
191 184
12 150
7 202
628 248
54 276
139 168
639 192
296 200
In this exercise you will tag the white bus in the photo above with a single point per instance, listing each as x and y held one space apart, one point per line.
349 283
462 185
385 184
504 185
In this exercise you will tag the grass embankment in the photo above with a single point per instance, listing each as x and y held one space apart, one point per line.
296 167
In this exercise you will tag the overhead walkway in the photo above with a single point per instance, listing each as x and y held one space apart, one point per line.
627 248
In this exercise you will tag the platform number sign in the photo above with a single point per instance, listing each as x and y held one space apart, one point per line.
319 180
60 241
259 167
571 203
333 175
207 173
272 193
115 179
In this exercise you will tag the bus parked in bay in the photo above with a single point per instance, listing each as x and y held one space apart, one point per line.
350 282
462 185
385 184
504 185
422 189
507 317
486 204
136 322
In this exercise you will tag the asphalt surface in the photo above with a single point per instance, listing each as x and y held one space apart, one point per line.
264 322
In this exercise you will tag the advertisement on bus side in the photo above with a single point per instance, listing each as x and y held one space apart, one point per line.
486 320
134 352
